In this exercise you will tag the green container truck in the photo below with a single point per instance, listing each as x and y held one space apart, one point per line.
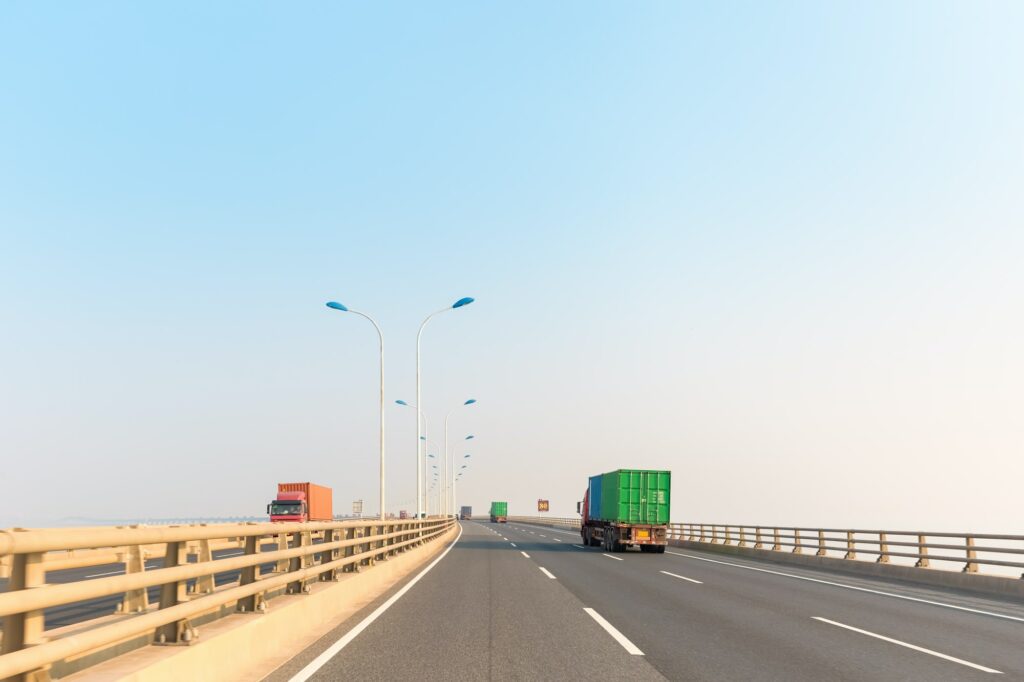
627 507
499 512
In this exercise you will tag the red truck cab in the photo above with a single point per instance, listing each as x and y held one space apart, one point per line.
288 507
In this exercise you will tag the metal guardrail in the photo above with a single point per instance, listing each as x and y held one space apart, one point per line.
303 553
881 546
557 521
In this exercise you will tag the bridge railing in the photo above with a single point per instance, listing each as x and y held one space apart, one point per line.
300 554
969 551
557 521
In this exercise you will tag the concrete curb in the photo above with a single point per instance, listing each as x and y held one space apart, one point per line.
988 585
250 646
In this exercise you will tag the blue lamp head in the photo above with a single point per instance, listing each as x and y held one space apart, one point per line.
470 437
430 456
462 301
465 456
401 402
337 306
423 437
470 401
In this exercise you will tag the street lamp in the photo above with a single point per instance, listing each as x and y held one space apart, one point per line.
419 398
469 402
334 305
421 464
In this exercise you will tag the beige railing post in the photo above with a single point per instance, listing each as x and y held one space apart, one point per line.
777 546
851 546
970 566
702 536
25 629
135 601
204 584
714 534
758 540
796 541
282 543
352 534
249 575
922 551
821 544
743 539
172 594
883 550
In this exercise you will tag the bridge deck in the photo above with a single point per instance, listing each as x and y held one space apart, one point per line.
486 611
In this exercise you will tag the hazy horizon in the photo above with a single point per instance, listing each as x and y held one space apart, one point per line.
776 250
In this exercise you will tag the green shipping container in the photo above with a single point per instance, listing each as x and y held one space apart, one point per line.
499 508
635 496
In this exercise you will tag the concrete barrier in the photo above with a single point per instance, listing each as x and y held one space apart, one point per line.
250 646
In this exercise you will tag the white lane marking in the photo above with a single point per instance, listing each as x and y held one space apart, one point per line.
616 635
617 558
542 535
580 546
858 589
99 575
512 543
504 538
683 577
556 539
546 572
909 646
524 554
332 650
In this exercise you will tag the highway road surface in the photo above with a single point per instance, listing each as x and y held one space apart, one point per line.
513 601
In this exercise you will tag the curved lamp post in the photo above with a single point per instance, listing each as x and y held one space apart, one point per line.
469 402
419 399
334 305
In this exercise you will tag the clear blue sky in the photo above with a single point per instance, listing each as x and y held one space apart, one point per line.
775 248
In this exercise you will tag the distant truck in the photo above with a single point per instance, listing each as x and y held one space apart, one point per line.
301 502
466 513
403 514
499 512
627 507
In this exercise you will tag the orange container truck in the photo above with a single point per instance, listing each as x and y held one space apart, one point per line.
301 502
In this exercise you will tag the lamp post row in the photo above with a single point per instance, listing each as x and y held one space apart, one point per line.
420 417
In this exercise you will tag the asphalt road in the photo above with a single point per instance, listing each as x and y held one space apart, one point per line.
490 609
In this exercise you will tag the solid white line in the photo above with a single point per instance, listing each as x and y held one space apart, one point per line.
858 589
617 558
909 646
616 635
683 577
333 650
512 543
546 572
99 575
525 554
580 546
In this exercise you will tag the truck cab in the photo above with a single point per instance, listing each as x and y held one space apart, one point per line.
289 506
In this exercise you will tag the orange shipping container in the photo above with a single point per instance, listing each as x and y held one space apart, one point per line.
318 499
